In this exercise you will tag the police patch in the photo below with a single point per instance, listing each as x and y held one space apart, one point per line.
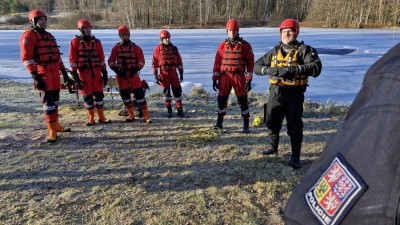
336 191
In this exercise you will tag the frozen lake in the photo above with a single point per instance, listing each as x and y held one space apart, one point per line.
340 80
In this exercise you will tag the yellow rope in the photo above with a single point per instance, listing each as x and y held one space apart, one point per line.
198 138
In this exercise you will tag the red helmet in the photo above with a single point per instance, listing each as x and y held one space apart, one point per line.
36 13
290 23
232 24
82 23
123 30
164 34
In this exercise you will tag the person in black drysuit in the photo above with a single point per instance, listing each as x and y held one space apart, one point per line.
366 190
288 65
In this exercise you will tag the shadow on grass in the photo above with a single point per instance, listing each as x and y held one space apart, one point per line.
154 178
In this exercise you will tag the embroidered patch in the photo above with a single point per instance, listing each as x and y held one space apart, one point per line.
336 191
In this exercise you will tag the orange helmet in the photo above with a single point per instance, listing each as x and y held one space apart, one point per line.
123 30
82 23
35 13
164 34
232 24
290 23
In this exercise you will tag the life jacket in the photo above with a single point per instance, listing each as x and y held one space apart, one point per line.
47 51
291 59
126 56
168 56
233 59
88 55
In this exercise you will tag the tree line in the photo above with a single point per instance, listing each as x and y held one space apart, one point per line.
209 13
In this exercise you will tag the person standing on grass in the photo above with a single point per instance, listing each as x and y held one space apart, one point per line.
126 60
233 68
41 57
86 57
166 57
288 64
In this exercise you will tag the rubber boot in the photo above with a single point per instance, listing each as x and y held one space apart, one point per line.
169 111
246 129
131 115
220 120
180 112
90 113
272 147
52 127
102 118
140 112
61 128
146 116
295 157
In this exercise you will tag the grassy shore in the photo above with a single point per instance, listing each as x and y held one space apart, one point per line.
173 171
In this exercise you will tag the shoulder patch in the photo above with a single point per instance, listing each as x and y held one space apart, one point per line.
335 192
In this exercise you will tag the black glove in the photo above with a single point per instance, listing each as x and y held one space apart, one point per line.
157 80
287 72
78 82
247 87
67 80
115 69
39 83
105 76
134 71
180 77
292 69
273 71
215 85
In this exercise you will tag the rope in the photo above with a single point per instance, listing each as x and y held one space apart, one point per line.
198 138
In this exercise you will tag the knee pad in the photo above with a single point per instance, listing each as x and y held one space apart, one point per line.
243 104
99 96
222 102
177 91
125 94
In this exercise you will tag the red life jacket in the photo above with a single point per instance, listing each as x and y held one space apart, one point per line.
88 54
126 56
168 55
233 59
47 51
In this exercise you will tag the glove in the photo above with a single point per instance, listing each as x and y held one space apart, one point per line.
134 71
287 72
215 85
180 77
247 87
39 83
292 69
105 76
67 80
273 71
156 79
115 69
78 82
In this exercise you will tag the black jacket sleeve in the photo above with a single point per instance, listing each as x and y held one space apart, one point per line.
309 61
264 61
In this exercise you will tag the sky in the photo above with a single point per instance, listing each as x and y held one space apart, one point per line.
340 80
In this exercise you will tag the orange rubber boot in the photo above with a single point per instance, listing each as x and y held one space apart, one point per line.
131 115
102 118
146 116
90 113
52 127
61 128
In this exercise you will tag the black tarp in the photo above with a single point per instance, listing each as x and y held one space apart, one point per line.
367 148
